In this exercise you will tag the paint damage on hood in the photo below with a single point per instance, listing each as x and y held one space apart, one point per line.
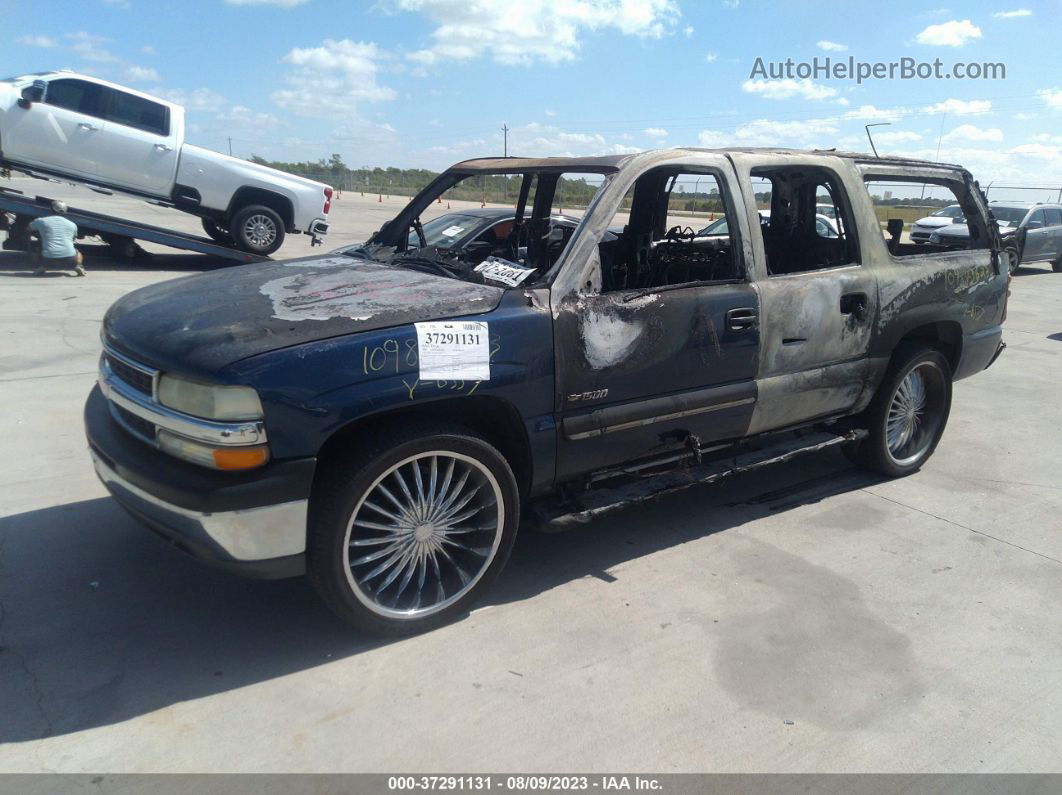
205 322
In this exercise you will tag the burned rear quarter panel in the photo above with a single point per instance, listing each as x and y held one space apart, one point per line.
311 391
963 293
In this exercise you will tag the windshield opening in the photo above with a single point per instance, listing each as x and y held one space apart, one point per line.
505 229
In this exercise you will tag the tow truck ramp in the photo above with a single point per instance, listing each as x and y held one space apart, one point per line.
115 231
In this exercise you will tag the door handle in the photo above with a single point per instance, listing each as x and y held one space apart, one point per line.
163 147
84 125
854 304
741 318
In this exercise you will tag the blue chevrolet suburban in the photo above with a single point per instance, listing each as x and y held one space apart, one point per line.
385 419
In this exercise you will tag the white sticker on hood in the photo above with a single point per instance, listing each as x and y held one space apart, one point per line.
453 351
502 270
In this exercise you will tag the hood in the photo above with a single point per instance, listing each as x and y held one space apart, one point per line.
953 230
933 221
201 324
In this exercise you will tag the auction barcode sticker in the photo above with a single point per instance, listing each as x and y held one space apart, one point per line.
454 351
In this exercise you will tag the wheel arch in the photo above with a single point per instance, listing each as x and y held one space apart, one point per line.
496 419
945 335
281 204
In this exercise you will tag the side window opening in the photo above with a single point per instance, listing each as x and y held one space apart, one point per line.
805 220
921 217
673 227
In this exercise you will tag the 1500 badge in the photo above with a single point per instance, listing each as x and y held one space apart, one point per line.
597 394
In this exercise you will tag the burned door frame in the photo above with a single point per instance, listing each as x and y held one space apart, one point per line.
817 324
646 329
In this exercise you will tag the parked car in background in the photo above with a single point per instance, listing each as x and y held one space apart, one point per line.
824 225
945 216
1030 233
87 130
477 232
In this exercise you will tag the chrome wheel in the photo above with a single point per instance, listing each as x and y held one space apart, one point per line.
423 534
914 414
260 231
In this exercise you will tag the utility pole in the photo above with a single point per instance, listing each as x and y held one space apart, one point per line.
230 146
505 134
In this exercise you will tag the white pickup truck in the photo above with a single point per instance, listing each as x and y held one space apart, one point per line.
80 128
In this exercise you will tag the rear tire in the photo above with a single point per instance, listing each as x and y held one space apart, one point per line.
216 232
408 529
257 229
1056 266
908 414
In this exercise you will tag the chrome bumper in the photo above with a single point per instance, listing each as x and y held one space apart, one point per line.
244 536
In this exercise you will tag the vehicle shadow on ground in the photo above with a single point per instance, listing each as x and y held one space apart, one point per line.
101 259
101 622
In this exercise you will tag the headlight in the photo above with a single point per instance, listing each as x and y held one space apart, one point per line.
934 238
209 401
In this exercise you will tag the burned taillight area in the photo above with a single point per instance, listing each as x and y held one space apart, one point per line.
328 200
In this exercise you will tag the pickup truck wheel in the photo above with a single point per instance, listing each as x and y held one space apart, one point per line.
257 229
217 233
409 530
907 416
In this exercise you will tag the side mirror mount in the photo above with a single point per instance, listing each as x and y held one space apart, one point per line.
1034 225
31 94
556 234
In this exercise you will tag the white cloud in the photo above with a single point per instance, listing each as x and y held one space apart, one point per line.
1052 96
1018 12
867 113
117 3
831 46
147 49
655 132
960 107
533 30
550 112
891 137
711 57
949 34
803 134
89 46
140 74
332 80
245 117
1038 150
784 89
277 3
687 31
202 99
37 41
969 132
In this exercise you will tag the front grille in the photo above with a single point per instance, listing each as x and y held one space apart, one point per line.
137 425
140 380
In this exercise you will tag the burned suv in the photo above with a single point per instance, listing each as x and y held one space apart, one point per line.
384 423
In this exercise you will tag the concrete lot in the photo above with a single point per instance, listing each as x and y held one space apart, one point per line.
906 626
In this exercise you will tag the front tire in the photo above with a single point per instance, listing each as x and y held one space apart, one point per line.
257 229
1056 265
408 530
908 414
1014 257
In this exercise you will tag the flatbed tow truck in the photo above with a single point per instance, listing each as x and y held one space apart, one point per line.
119 233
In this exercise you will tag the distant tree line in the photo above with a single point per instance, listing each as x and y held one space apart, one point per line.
571 192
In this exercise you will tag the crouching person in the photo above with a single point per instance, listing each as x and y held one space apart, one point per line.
56 249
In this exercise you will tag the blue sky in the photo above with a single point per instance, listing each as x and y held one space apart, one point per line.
429 82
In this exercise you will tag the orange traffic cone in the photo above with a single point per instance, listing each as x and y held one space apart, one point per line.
447 205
